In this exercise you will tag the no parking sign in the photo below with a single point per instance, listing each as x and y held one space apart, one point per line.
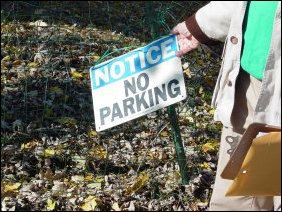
137 83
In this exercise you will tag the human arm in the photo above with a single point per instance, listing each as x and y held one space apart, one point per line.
208 25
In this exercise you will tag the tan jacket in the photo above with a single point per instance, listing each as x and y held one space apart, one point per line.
222 21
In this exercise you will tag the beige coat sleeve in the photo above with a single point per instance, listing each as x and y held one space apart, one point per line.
212 21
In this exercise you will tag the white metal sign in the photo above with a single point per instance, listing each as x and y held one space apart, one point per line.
137 83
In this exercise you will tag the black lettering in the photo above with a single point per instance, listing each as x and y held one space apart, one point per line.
159 93
130 86
128 104
104 112
146 80
175 91
116 112
141 101
150 92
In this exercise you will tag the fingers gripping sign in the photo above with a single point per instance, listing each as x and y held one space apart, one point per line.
186 40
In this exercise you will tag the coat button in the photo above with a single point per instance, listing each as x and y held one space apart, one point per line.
229 83
234 40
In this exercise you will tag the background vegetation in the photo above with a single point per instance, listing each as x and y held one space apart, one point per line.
51 156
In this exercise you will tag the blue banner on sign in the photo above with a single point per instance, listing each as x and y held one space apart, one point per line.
134 62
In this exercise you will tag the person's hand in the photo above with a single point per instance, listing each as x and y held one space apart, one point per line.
186 40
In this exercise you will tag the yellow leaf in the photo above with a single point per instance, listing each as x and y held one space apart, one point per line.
50 205
212 111
32 65
11 187
139 183
92 133
17 63
89 177
164 134
205 165
187 72
207 147
49 152
95 58
7 28
99 180
89 204
115 207
6 59
75 74
98 152
3 78
29 145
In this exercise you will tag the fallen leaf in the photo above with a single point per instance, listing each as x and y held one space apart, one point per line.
32 65
6 58
92 133
131 206
95 58
17 63
7 27
29 145
212 111
115 207
89 177
139 183
49 152
75 74
94 185
38 23
164 134
10 187
50 205
98 152
212 145
89 204
80 161
58 187
77 178
205 165
188 72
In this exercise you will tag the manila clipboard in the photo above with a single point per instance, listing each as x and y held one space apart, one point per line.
255 165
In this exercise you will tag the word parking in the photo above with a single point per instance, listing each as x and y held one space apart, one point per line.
137 83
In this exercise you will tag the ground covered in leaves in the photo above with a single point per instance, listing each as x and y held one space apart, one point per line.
53 159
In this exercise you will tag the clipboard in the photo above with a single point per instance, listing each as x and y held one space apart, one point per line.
248 176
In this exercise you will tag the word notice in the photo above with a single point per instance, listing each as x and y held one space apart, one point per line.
137 83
